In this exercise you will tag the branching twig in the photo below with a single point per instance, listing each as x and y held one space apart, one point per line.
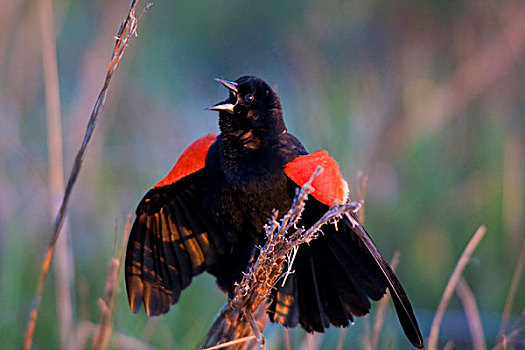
253 292
451 285
126 31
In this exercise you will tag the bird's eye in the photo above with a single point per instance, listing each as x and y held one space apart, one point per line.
248 98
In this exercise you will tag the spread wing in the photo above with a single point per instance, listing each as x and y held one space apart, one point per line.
172 240
338 274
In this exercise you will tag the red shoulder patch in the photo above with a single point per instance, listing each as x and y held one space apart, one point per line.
190 161
329 186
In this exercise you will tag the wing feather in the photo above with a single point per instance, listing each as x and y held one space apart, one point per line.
284 308
172 240
188 240
179 248
219 241
329 298
169 256
206 247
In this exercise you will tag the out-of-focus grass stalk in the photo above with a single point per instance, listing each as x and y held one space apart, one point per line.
382 308
508 339
471 310
86 329
312 341
341 339
108 301
449 345
8 16
63 263
125 32
513 215
513 188
473 77
287 341
451 286
518 272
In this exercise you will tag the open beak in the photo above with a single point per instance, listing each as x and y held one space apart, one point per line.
231 85
221 106
228 107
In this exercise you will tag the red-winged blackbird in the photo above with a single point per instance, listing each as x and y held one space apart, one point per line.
208 214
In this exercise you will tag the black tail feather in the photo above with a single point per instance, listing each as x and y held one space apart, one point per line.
402 304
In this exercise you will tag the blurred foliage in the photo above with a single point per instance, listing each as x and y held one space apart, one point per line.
349 74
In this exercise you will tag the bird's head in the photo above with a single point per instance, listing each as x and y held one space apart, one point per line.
251 115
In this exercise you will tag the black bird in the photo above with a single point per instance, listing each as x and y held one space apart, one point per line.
208 214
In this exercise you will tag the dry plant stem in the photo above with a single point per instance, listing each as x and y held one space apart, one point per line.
252 293
518 272
367 335
287 341
232 342
258 336
126 31
64 261
449 345
119 341
382 308
507 340
312 341
109 299
309 341
451 285
341 339
471 310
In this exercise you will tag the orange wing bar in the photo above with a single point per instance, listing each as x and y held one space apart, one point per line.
192 160
329 186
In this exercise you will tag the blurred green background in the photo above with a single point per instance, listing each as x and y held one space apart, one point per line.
425 98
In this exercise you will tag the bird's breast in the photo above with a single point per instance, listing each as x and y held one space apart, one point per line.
249 193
